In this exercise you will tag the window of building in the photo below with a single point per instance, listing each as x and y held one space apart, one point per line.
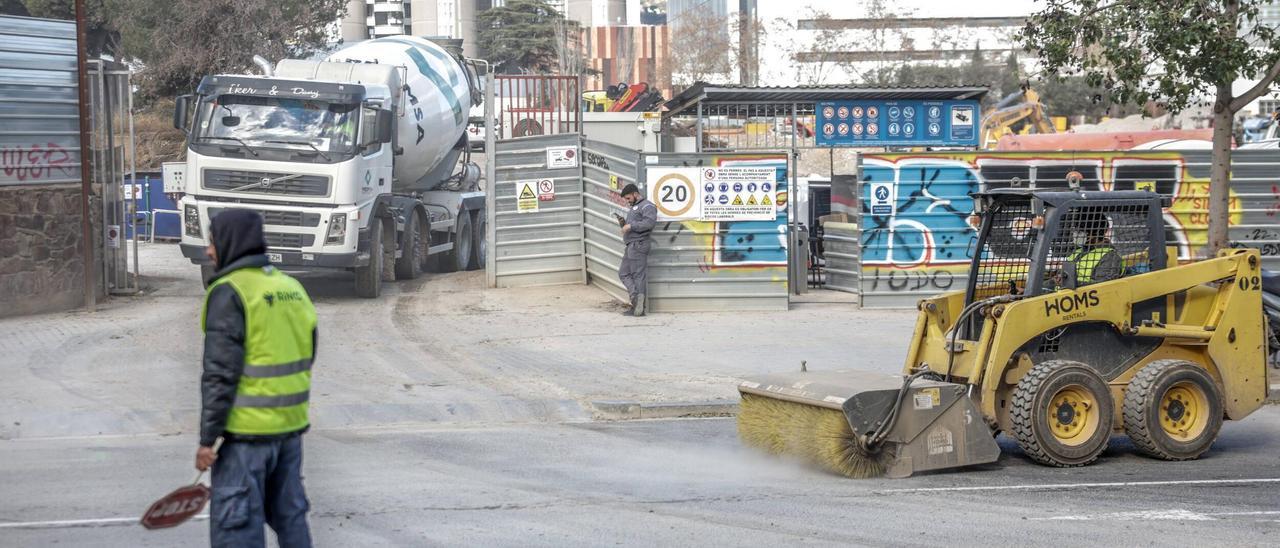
380 18
1267 107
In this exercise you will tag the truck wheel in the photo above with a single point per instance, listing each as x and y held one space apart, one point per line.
479 246
414 248
1062 413
463 239
1172 410
206 273
369 277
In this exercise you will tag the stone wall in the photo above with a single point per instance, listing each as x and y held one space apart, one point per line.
41 253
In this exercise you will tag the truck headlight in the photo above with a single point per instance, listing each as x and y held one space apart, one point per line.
337 228
191 220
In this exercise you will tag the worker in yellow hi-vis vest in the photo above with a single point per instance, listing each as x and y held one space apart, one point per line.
1093 258
259 346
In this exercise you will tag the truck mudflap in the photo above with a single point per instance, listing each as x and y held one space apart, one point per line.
936 425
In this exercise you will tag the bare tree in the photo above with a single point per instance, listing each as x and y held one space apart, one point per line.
701 48
570 57
815 54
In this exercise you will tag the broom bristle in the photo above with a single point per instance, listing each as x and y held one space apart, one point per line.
815 434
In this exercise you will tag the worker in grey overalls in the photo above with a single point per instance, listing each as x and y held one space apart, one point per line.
636 229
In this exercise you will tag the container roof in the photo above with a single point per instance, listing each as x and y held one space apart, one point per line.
703 92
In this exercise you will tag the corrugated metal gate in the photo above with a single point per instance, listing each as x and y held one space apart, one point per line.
923 247
843 253
606 169
706 266
544 246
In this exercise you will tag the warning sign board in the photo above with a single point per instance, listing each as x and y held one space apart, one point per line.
562 157
748 194
676 192
526 197
546 190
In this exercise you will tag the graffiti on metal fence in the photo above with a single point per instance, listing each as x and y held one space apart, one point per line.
928 237
36 162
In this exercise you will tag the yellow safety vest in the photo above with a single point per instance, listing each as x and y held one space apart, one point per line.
273 393
1086 260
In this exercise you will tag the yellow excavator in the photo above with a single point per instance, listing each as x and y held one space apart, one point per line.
1076 324
1011 113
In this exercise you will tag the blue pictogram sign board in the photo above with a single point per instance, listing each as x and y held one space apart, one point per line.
898 123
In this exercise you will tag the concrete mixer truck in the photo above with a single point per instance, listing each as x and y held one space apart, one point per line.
357 162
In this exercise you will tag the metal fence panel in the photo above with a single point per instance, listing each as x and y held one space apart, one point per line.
606 168
544 247
39 102
843 253
706 266
923 247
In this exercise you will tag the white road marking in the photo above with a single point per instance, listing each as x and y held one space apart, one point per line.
100 522
1069 486
1176 514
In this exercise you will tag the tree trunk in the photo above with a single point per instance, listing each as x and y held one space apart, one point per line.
1220 172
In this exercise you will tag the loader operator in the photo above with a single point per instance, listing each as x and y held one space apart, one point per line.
636 229
1093 259
259 345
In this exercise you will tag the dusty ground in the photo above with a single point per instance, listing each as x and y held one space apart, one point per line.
448 414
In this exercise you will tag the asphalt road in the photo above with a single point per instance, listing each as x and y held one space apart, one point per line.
677 482
448 414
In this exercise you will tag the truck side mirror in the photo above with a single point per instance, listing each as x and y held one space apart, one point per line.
181 106
386 125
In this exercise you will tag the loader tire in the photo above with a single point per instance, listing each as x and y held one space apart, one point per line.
1062 413
1172 410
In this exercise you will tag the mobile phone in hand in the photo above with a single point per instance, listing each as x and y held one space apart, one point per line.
621 220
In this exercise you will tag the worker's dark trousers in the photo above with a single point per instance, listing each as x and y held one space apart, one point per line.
634 270
257 483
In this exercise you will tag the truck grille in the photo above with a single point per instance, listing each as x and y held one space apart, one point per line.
279 218
279 239
228 180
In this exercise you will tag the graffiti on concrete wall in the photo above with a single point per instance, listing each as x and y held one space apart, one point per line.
926 243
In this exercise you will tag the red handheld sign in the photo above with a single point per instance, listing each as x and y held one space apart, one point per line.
181 504
176 507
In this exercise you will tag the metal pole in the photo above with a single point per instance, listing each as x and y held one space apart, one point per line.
127 90
491 181
698 146
86 187
792 196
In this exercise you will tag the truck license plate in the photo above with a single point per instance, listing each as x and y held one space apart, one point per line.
275 258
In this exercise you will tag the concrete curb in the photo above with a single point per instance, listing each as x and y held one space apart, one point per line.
631 410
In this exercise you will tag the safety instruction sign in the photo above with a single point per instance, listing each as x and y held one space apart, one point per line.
675 192
527 196
739 194
897 123
546 190
562 157
715 193
882 200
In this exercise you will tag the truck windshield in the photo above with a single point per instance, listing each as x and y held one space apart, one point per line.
268 122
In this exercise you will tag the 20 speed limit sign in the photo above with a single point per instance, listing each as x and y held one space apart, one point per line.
676 193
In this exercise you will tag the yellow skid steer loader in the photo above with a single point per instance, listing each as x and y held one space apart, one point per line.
1073 326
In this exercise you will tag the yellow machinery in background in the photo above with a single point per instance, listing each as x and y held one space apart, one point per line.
1011 117
1073 327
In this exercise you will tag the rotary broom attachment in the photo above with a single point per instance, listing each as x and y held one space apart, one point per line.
817 435
864 425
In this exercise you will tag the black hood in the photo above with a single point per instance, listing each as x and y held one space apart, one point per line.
237 233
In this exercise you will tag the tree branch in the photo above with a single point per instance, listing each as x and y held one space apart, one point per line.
1257 90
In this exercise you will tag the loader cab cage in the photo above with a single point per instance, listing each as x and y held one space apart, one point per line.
1032 242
